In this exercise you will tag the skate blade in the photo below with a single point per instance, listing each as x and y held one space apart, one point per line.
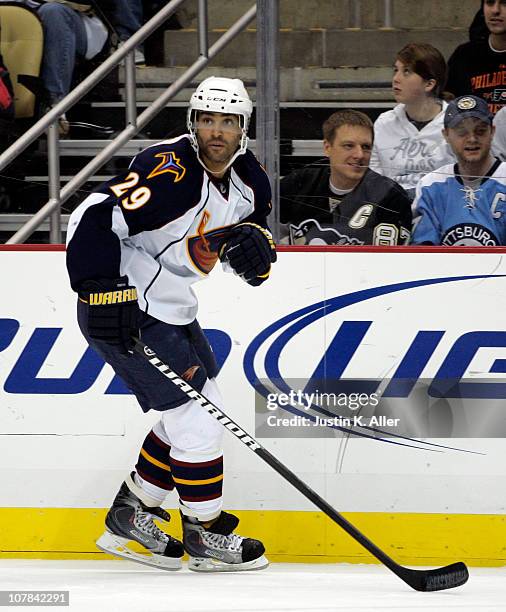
207 564
118 546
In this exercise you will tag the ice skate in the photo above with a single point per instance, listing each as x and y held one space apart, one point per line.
129 520
217 549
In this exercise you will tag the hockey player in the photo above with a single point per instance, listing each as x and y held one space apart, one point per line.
342 201
464 204
134 249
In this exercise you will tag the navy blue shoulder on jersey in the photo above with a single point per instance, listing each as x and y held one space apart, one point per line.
161 184
250 171
94 251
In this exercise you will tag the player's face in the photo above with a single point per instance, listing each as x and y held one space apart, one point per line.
408 86
470 140
349 155
495 15
218 137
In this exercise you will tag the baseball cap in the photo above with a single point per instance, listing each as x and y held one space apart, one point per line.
466 106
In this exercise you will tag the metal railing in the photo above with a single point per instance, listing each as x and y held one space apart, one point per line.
135 123
387 14
267 104
355 14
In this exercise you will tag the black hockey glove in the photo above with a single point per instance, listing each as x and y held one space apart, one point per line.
250 250
113 313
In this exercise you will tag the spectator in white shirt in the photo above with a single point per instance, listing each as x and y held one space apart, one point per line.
408 140
499 142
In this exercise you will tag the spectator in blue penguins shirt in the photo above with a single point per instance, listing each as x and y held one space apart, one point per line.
464 204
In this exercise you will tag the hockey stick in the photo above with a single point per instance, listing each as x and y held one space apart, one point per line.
438 579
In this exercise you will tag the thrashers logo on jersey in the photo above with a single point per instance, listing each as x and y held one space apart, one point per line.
170 163
203 247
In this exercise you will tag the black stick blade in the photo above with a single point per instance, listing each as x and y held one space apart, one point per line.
447 577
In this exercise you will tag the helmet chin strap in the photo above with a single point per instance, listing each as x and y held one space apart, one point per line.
225 167
240 151
243 143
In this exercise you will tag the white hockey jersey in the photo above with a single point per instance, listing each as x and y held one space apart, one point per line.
404 153
161 223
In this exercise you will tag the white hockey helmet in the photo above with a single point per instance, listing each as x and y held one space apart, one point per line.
221 95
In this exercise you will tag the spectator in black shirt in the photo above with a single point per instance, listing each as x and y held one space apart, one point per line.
478 67
341 201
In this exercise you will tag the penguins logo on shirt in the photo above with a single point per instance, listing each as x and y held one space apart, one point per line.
469 234
311 232
170 163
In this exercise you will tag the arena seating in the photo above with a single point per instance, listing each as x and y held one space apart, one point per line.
330 57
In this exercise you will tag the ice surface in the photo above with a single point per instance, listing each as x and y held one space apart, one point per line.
123 586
